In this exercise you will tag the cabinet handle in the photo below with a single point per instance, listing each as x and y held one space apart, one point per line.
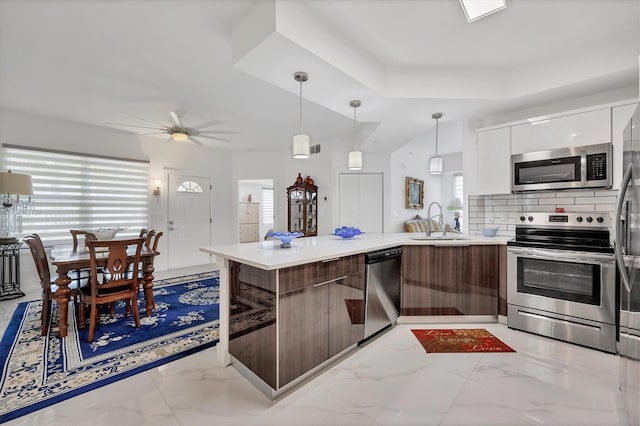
330 281
330 260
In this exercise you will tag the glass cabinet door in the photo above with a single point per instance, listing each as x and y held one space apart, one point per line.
296 212
303 208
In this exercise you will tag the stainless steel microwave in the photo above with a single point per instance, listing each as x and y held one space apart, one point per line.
586 166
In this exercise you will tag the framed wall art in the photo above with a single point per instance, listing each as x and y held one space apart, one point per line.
414 191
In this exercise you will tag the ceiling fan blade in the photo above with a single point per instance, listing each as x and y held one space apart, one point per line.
143 119
214 138
154 133
218 132
176 119
133 125
196 141
208 124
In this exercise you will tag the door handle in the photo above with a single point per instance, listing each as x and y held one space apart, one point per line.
624 185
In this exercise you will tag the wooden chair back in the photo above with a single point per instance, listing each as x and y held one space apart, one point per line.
148 242
115 276
40 259
155 242
87 237
116 283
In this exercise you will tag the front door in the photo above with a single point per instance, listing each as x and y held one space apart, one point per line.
189 219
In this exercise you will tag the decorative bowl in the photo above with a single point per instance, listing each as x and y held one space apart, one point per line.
285 237
105 233
347 232
490 232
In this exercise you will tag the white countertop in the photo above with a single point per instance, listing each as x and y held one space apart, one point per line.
268 254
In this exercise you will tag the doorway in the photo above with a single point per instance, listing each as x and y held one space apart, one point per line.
256 210
188 219
361 201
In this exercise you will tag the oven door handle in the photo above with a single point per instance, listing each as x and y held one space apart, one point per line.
560 254
624 185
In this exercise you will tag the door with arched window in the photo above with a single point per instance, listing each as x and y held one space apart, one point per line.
188 220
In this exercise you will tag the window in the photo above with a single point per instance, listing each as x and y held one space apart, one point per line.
267 206
189 186
458 192
78 191
458 187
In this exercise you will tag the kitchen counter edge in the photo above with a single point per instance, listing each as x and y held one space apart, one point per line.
269 256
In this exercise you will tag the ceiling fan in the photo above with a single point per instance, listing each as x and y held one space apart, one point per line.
178 131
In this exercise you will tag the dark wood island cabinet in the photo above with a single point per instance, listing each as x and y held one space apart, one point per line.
450 280
313 311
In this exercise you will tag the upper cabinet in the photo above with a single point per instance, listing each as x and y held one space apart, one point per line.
494 161
302 198
584 128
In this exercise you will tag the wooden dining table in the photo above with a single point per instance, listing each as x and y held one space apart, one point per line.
66 259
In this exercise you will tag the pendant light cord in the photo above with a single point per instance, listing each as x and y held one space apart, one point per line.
354 130
436 137
301 106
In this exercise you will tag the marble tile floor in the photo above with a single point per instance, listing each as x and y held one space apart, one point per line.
389 381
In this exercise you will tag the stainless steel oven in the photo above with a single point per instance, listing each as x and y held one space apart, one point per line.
561 277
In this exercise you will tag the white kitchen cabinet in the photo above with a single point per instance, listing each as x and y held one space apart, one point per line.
584 128
494 161
620 116
249 219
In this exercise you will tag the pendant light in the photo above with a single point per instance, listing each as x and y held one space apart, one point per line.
435 162
301 141
355 156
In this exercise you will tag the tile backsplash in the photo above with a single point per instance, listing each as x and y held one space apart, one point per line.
504 209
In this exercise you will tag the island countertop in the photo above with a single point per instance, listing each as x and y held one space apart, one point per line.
268 255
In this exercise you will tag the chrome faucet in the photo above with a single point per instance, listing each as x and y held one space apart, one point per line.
429 217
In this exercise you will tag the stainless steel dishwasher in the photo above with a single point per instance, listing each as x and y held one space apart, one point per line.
382 295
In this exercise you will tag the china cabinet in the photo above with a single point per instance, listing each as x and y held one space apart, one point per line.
302 199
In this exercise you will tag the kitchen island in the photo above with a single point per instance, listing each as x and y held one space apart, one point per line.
286 312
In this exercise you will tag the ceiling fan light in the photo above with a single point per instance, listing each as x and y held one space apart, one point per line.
301 146
180 137
435 165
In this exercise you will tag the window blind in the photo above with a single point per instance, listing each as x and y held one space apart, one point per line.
267 206
78 191
458 192
458 187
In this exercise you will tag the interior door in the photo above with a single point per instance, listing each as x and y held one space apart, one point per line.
361 202
189 220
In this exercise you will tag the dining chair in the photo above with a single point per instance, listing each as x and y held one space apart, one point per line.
48 287
151 244
116 285
87 236
80 274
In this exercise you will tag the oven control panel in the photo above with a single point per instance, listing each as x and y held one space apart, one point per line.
595 220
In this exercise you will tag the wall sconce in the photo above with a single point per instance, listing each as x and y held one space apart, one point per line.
156 191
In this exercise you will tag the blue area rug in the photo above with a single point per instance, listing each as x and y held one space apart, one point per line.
40 371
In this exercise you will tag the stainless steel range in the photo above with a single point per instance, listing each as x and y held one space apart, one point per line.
561 278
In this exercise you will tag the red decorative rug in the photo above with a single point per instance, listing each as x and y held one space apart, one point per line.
460 340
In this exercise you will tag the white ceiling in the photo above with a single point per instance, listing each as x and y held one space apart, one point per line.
101 61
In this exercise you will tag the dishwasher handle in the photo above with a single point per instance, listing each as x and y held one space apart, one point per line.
382 255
